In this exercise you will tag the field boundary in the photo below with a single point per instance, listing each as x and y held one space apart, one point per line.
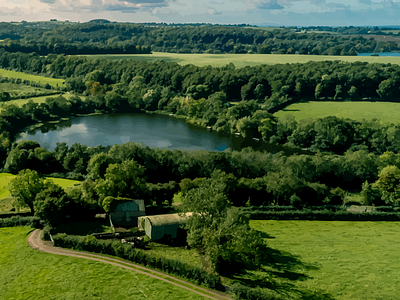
36 243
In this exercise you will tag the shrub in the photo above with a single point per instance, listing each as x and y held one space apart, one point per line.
244 292
125 251
20 221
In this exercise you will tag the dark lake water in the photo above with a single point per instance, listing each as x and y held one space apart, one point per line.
380 54
153 130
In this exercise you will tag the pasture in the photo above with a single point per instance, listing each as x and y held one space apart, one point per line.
17 90
356 110
6 201
331 259
242 60
39 100
39 79
29 274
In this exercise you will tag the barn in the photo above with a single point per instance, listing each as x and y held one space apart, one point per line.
158 226
126 213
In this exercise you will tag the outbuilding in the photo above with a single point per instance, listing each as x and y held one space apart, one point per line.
158 226
126 213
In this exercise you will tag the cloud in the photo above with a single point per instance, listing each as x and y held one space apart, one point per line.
48 1
122 8
273 4
212 11
143 1
368 2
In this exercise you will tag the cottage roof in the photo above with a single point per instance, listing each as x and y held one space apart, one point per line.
168 219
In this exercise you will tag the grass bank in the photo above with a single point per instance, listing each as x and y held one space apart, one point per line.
29 274
330 260
242 60
357 110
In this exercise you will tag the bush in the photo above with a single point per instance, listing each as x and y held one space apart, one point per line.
244 292
20 221
125 251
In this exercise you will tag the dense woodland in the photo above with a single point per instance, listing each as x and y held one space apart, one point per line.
94 38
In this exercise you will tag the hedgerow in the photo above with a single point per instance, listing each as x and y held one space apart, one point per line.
20 221
125 251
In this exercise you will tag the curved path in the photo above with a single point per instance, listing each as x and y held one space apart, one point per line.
36 243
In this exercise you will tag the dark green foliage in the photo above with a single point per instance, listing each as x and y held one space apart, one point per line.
162 191
20 221
116 248
242 292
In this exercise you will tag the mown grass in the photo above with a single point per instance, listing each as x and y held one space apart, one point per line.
39 79
242 60
6 201
330 259
29 274
385 111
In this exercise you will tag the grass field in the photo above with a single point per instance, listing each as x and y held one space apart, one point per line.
29 274
6 202
332 259
190 256
39 100
20 89
385 111
36 78
242 60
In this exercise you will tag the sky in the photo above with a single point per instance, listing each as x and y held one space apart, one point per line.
254 12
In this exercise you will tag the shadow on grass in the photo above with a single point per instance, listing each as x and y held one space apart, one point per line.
290 109
279 272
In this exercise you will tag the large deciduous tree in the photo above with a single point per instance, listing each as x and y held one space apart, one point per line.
122 180
25 186
223 231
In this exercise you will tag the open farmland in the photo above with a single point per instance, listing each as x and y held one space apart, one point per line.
29 274
242 60
356 110
39 79
342 260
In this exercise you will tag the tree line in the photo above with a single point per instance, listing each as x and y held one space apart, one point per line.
175 39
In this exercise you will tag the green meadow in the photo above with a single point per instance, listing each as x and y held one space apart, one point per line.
356 110
331 259
29 274
39 100
39 79
6 201
242 60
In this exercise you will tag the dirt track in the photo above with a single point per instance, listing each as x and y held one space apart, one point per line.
36 243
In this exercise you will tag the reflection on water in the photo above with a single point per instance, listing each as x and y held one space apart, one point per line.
155 131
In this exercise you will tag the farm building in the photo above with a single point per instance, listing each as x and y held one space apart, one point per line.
158 226
126 213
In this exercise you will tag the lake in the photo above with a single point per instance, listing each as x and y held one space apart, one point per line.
153 130
380 54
